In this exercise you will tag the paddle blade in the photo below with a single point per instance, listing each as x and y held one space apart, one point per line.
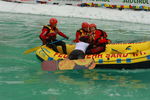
31 50
68 64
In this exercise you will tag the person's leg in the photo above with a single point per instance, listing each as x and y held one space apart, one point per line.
73 55
53 45
76 54
43 41
63 44
81 54
99 50
88 49
96 50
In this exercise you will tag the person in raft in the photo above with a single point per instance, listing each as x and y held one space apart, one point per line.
80 48
98 40
83 31
49 35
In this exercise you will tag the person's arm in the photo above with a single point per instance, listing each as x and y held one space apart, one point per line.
61 34
97 35
43 33
95 50
104 34
101 33
77 37
102 38
104 41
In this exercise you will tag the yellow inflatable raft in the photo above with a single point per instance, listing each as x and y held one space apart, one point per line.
134 55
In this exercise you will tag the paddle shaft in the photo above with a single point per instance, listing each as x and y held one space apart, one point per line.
56 41
35 48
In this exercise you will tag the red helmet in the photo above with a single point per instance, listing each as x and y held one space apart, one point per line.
53 21
85 25
93 25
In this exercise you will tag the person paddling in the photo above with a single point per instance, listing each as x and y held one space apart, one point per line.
49 35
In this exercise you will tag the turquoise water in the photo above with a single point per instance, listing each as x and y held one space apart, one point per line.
21 77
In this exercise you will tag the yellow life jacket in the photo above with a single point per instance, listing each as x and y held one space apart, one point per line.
50 29
82 33
91 36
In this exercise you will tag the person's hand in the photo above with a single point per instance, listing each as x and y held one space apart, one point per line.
103 40
67 38
75 41
109 41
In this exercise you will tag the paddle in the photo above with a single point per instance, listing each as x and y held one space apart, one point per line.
35 48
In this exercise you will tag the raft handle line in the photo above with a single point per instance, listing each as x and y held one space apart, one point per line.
51 43
122 59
